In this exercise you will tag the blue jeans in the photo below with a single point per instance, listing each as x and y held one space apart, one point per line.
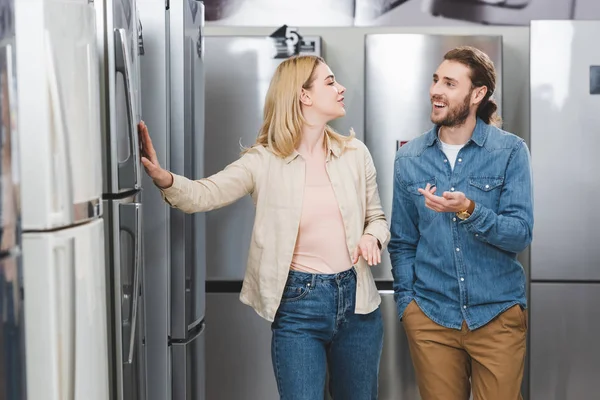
316 327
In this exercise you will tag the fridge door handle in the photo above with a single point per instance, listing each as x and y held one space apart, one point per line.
61 161
131 222
65 292
129 170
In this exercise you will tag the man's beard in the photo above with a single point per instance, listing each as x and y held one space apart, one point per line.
457 115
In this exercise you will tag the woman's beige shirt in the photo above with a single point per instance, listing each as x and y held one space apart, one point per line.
276 186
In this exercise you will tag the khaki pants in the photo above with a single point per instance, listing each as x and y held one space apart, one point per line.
492 356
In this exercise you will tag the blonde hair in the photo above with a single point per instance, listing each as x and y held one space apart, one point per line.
281 129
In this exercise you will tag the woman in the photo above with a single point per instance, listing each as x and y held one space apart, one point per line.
317 214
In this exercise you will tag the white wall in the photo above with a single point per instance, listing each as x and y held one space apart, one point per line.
344 52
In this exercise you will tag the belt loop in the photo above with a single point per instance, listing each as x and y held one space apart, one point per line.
313 280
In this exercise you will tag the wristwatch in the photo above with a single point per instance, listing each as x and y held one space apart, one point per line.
466 213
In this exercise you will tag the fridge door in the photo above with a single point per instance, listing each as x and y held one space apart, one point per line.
118 46
155 213
565 99
60 132
188 265
386 131
564 351
189 367
123 230
9 161
238 72
12 329
65 313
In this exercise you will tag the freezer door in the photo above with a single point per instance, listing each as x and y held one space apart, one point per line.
239 345
118 47
238 72
124 251
188 261
564 353
60 132
386 72
12 329
65 313
565 99
189 373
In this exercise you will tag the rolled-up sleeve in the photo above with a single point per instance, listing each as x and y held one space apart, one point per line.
219 190
375 222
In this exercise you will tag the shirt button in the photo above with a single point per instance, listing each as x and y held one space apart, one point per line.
462 279
460 160
457 249
445 160
464 306
487 186
454 219
452 189
477 234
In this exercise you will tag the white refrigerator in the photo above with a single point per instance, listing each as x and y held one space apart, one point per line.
63 231
12 341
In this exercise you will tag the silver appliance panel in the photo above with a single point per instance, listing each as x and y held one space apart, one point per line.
156 212
392 82
238 72
188 263
565 71
501 12
118 52
124 252
189 368
238 345
565 356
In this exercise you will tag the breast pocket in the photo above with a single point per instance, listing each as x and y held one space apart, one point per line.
425 214
485 190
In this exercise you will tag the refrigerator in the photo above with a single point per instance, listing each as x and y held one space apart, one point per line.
172 74
61 197
118 46
238 342
12 333
565 256
396 111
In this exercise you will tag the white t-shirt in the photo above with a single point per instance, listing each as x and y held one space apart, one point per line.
451 152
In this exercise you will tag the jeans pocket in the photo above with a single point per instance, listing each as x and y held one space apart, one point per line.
294 293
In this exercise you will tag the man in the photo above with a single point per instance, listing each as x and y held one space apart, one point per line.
462 211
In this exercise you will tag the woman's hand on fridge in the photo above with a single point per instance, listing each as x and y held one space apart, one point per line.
161 177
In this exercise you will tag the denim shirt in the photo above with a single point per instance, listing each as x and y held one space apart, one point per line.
462 270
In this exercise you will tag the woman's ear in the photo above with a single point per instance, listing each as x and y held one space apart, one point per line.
305 98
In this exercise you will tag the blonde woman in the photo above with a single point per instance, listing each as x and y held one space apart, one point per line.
319 225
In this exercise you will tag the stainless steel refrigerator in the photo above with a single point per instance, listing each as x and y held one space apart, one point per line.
12 333
565 253
118 49
172 75
398 74
238 341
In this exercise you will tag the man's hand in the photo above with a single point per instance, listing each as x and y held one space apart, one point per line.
448 202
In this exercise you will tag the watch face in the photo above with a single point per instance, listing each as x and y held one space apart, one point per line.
463 215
